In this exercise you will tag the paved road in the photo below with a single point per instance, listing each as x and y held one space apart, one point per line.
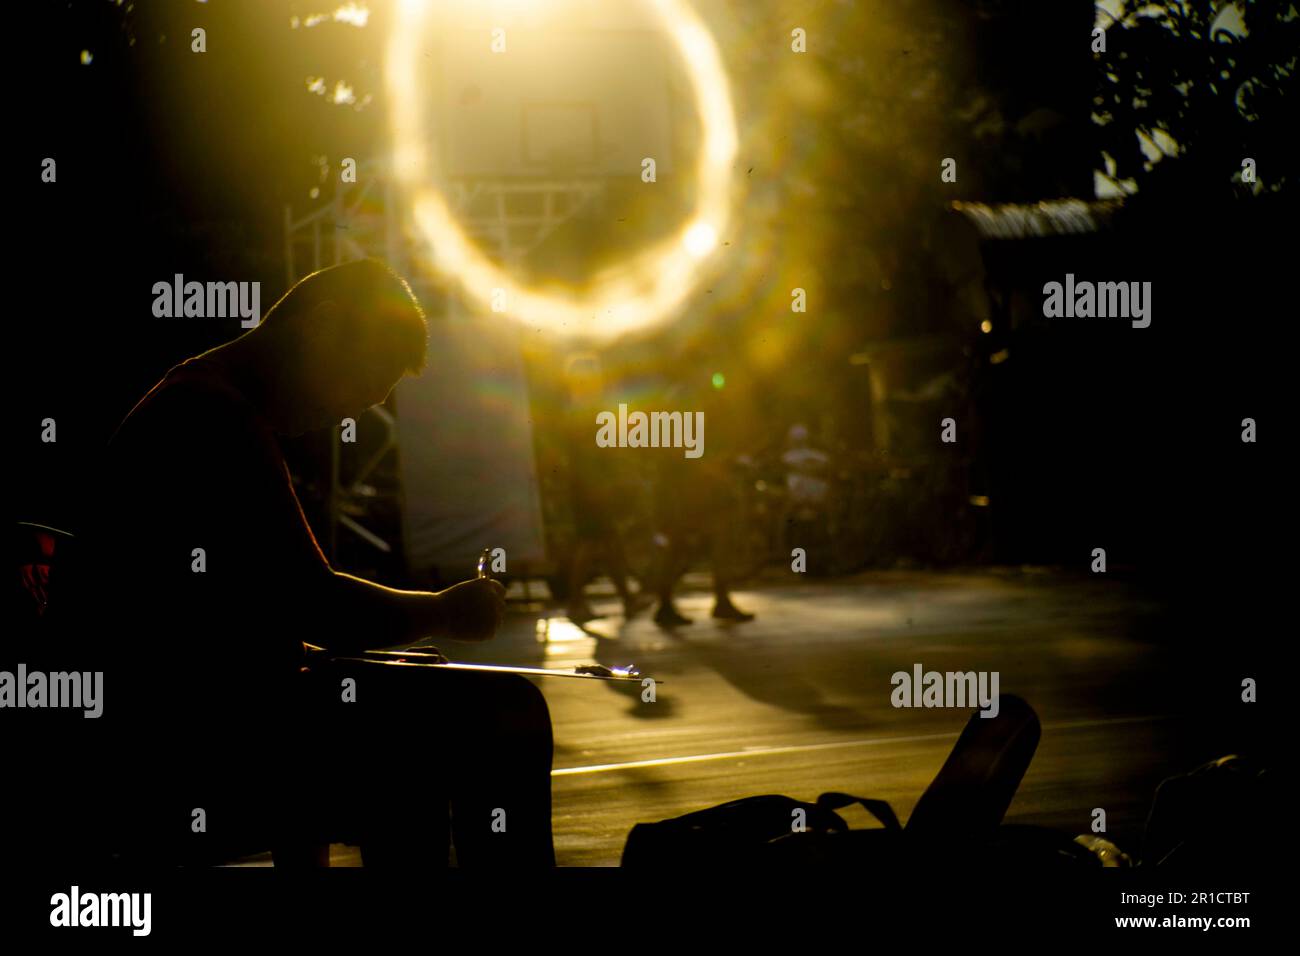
798 701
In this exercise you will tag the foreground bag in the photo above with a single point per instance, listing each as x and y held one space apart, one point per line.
1221 817
756 830
959 816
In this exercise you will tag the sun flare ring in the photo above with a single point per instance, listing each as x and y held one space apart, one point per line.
639 292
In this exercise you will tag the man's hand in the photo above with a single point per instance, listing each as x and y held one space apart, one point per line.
471 610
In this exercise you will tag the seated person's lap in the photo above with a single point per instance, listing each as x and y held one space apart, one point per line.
328 759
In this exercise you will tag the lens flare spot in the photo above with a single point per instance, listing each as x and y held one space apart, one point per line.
700 239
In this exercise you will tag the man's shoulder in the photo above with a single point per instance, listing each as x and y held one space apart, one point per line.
200 379
195 392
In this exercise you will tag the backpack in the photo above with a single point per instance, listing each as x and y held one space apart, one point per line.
959 814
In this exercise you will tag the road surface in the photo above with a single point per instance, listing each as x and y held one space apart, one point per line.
799 701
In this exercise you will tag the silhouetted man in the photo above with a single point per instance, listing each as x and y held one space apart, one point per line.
214 584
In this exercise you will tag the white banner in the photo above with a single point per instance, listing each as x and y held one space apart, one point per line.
469 474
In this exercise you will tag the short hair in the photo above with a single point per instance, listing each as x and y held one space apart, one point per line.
377 302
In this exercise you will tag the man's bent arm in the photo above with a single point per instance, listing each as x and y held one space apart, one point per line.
362 615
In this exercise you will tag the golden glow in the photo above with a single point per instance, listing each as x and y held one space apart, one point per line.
352 14
343 93
565 643
986 326
699 239
639 292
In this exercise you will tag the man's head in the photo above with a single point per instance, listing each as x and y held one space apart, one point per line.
337 343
